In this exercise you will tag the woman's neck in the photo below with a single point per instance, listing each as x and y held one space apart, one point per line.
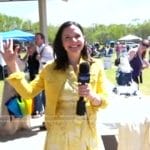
74 63
139 52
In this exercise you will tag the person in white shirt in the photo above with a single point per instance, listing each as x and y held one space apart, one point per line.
44 50
45 54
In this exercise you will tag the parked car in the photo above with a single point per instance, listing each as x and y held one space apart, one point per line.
131 44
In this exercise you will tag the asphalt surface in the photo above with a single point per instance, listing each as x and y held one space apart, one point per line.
25 139
34 139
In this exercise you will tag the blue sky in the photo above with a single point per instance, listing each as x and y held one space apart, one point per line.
86 12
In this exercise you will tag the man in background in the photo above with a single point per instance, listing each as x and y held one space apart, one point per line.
45 51
45 54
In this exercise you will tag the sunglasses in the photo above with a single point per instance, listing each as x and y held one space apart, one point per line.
145 45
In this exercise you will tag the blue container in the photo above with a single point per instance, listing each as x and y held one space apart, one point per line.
13 107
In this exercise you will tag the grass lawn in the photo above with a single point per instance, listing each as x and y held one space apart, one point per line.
145 87
1 89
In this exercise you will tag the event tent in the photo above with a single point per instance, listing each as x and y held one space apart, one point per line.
17 35
130 38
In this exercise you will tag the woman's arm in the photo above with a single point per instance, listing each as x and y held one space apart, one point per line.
131 55
146 64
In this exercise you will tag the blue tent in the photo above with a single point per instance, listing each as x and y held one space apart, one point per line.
17 35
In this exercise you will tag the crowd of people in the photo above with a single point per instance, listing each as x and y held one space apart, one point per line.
98 51
56 90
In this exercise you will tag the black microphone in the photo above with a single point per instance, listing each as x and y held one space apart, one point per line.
83 77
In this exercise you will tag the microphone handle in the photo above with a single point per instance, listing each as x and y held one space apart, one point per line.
81 109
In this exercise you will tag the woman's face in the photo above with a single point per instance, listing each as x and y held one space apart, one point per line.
144 46
73 40
38 40
31 49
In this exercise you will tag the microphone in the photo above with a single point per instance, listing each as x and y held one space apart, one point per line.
83 77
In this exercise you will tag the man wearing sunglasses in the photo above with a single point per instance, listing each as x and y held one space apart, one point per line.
138 62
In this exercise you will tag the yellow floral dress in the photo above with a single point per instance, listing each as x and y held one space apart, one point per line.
68 131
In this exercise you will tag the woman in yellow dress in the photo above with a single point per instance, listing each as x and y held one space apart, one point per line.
66 130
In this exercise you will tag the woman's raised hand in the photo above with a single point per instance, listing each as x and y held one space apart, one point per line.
10 55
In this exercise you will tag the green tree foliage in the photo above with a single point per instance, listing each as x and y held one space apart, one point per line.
144 29
95 33
51 33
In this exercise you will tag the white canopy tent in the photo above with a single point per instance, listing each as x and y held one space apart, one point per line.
130 37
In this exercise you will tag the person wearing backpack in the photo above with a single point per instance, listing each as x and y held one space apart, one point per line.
10 124
45 54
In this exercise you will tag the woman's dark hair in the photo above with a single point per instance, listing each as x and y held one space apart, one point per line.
60 54
16 44
146 43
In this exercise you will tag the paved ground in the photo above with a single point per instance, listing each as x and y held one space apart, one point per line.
31 139
34 139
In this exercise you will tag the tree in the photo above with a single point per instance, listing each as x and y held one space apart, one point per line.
95 33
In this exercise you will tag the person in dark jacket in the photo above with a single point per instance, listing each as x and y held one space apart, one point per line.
32 61
33 65
138 61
